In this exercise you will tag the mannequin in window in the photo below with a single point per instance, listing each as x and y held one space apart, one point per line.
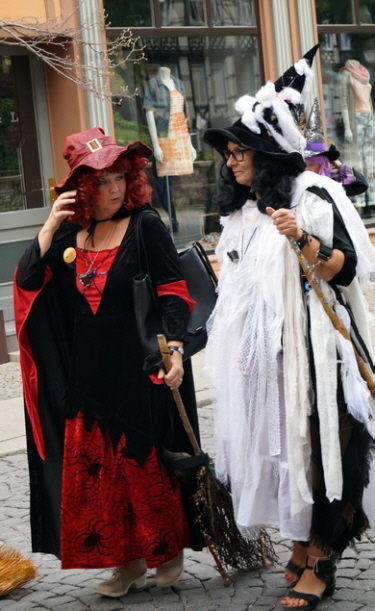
357 115
174 154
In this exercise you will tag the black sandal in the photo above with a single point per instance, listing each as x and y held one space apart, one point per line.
297 570
325 570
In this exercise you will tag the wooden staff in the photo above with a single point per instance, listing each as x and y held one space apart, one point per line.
309 273
164 351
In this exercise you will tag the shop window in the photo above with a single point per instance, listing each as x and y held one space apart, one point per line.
367 11
233 12
208 74
20 179
132 13
348 69
332 11
345 12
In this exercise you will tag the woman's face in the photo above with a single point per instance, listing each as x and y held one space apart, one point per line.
311 166
241 163
111 195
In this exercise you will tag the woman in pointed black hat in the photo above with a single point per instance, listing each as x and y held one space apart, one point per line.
293 426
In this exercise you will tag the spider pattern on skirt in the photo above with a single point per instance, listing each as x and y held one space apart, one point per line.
95 538
114 510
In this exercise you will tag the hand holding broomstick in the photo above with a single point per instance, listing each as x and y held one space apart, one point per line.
309 273
286 222
213 501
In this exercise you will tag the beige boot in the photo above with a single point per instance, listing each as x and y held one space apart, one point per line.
122 580
170 572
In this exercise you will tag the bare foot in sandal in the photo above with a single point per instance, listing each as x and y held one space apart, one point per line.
296 564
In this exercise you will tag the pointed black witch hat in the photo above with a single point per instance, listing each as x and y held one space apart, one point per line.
294 85
295 76
268 121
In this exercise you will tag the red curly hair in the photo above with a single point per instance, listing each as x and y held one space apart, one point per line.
87 182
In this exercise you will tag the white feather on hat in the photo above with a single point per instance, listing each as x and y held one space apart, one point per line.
272 106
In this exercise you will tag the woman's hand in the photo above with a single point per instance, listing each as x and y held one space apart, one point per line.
59 211
175 375
285 222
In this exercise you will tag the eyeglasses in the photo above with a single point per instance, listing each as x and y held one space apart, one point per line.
237 154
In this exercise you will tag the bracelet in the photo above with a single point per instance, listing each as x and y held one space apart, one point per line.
173 349
324 253
304 239
313 267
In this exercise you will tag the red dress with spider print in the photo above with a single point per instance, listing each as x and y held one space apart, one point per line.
113 510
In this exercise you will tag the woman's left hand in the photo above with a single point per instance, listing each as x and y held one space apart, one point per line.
285 222
175 375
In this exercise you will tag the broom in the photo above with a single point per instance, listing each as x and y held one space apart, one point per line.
309 273
214 507
15 570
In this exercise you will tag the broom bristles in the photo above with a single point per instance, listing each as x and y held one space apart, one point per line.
15 570
217 517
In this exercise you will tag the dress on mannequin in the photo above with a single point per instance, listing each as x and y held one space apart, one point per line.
357 114
173 151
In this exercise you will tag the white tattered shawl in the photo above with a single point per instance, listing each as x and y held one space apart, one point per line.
266 282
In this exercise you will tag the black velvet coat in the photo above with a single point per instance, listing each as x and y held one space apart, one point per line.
93 362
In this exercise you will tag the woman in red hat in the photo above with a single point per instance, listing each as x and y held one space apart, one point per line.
100 495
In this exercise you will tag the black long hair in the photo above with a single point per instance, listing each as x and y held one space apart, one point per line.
273 180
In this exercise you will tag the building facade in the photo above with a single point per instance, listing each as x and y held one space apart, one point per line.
214 51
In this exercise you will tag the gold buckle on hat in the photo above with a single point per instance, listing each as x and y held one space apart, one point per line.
94 145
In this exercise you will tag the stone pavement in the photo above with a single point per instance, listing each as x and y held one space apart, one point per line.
200 587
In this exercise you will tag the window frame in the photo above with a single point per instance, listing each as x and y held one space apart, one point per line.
209 29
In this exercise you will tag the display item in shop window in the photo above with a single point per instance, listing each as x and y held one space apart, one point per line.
284 403
164 103
101 496
354 95
325 161
164 196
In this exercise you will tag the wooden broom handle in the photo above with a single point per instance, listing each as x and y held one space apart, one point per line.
366 375
164 351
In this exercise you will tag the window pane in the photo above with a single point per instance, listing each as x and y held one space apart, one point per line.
182 12
205 76
367 11
334 11
132 13
347 63
10 139
233 12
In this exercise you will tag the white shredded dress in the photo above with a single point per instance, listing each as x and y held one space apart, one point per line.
257 355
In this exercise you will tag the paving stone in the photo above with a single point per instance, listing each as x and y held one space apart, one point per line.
200 589
348 594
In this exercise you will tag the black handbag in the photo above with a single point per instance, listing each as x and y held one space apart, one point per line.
201 282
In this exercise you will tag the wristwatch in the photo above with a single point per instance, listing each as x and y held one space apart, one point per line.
175 349
324 253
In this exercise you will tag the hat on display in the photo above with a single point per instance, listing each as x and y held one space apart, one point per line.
314 135
269 120
93 149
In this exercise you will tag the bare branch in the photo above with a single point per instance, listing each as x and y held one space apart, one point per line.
54 42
